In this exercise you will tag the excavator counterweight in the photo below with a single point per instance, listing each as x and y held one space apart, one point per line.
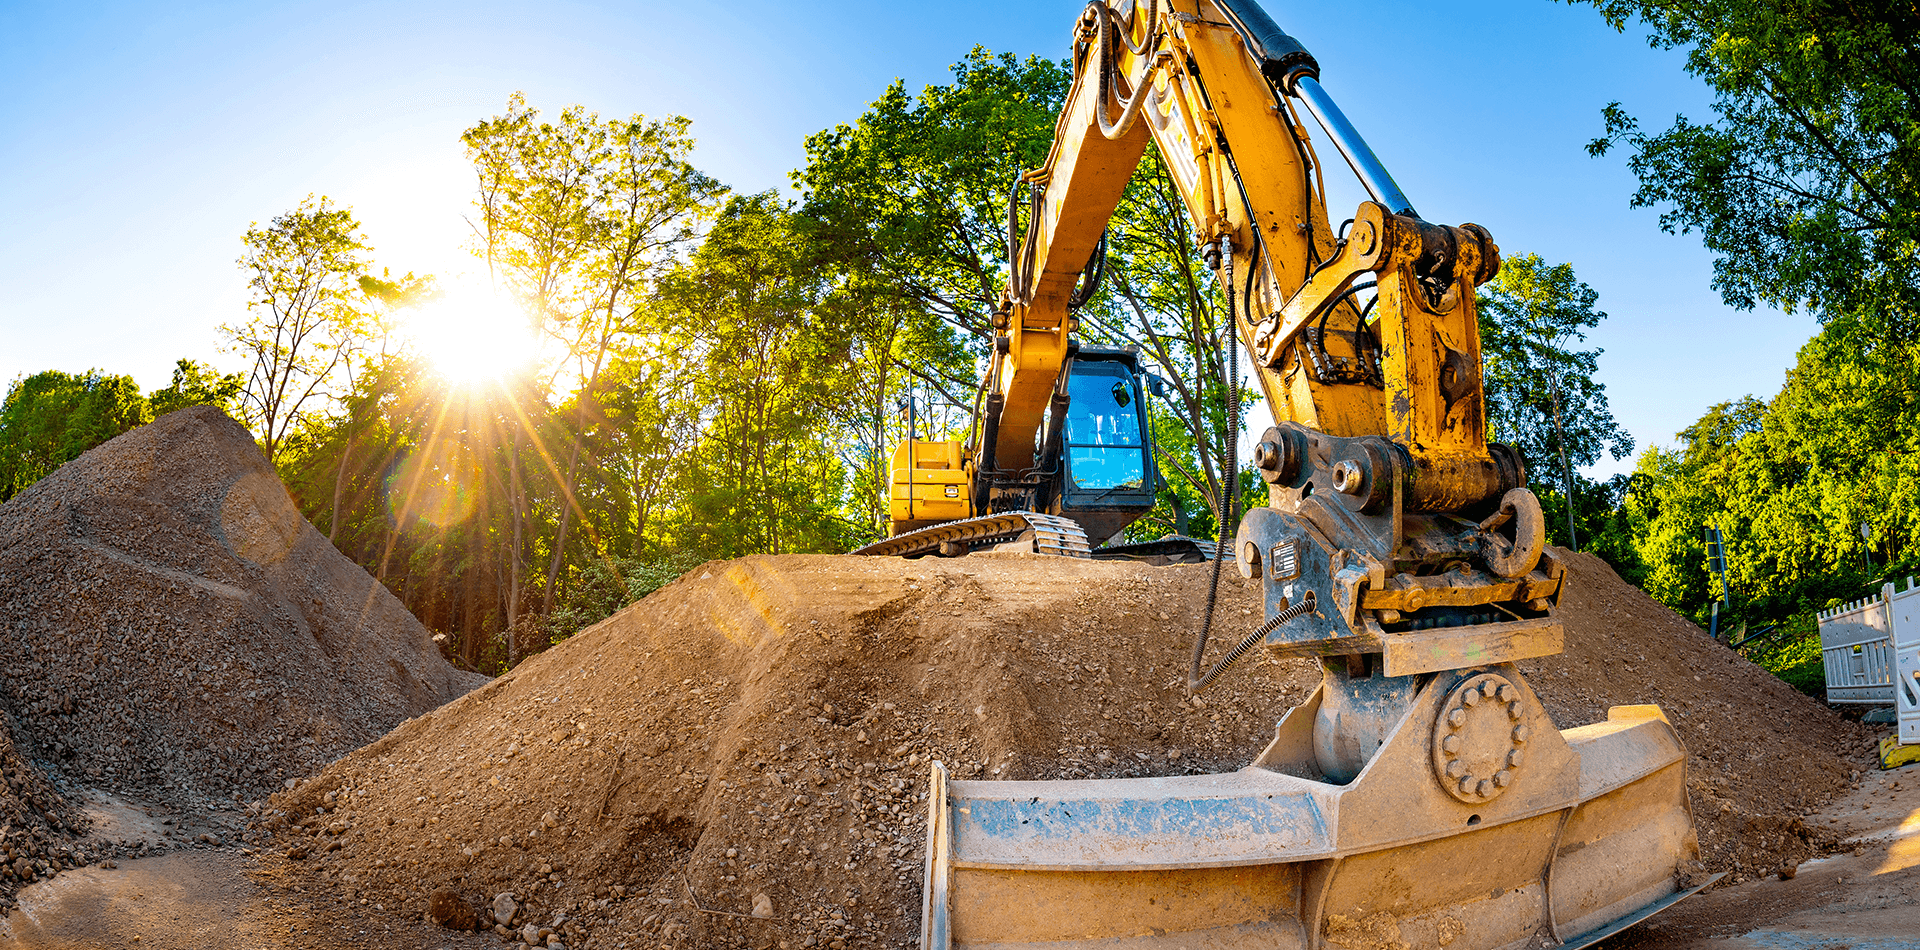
1422 797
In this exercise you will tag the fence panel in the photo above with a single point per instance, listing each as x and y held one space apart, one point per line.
1856 645
1905 610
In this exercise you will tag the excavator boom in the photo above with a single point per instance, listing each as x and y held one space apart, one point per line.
1422 797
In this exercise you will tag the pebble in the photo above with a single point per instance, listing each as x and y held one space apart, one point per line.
762 905
504 909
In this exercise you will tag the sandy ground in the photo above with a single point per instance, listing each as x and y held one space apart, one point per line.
738 760
201 900
211 899
1865 899
201 897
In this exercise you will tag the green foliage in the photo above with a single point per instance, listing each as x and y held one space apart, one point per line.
748 304
1807 183
197 384
606 586
49 418
579 214
1601 518
1542 397
1793 654
1789 483
1804 186
305 319
913 194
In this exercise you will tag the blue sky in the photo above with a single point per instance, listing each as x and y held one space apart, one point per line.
138 141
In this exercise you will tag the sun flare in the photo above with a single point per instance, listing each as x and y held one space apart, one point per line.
472 334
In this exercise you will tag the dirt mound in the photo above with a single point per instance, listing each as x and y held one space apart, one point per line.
740 759
170 627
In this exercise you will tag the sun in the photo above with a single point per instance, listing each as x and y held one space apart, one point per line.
472 334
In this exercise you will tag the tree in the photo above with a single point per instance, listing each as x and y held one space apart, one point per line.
1807 183
49 418
644 424
763 477
579 216
1542 397
1788 482
912 197
385 297
197 384
304 318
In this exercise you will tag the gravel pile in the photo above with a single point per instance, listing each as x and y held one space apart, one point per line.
741 758
39 827
172 630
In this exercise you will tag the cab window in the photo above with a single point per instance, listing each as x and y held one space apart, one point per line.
1104 448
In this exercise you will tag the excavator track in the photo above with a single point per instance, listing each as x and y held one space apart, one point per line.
1052 534
1172 549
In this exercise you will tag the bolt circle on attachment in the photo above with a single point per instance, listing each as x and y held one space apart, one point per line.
1477 745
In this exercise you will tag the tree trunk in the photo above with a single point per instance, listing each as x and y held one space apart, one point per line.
519 534
339 487
1566 470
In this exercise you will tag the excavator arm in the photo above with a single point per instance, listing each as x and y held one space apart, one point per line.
1389 393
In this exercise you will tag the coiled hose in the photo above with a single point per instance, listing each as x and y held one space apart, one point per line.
1229 473
1305 606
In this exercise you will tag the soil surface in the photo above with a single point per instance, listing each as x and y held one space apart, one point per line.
755 737
1866 897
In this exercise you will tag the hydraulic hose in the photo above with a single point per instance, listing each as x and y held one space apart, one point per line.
1130 109
1281 619
1229 471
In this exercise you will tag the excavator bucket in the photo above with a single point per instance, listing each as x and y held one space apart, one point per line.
1476 825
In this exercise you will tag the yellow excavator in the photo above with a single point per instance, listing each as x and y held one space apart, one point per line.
1422 796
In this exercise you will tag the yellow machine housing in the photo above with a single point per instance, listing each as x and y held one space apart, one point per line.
929 485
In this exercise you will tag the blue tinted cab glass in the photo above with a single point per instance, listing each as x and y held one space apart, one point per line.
1103 428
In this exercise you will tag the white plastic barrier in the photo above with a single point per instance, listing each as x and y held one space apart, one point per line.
1871 648
1906 649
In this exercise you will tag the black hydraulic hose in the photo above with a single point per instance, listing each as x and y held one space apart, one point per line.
1107 22
1013 238
1305 606
1229 465
1090 279
1321 330
1020 243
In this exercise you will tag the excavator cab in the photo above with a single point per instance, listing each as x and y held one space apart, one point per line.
1096 472
1110 476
